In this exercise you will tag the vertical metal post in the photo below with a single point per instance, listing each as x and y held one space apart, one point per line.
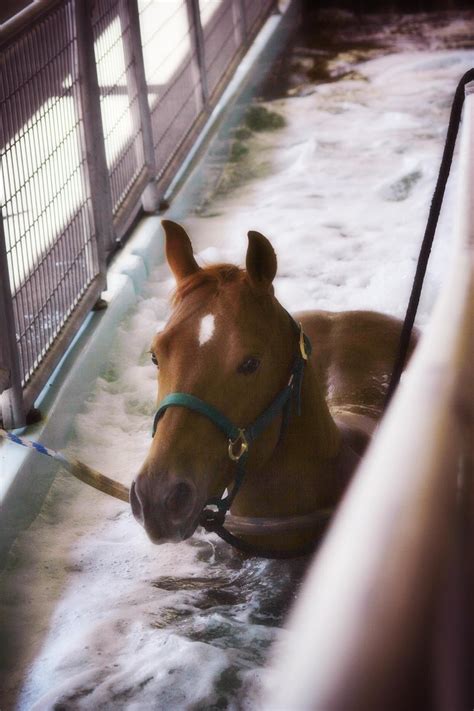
238 26
137 86
194 14
93 132
11 400
245 29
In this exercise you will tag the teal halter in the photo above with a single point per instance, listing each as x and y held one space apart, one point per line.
240 438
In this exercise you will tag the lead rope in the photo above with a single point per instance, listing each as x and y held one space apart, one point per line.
425 249
78 469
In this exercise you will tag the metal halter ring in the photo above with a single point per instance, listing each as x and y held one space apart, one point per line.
244 445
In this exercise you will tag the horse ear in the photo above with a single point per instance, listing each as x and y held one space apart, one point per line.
179 251
261 261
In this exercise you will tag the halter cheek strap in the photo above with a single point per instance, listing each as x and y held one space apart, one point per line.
240 438
238 442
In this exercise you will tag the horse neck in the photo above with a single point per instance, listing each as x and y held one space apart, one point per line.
313 432
303 471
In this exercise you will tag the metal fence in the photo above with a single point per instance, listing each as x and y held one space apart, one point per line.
100 100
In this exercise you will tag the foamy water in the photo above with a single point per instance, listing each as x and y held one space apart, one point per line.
96 617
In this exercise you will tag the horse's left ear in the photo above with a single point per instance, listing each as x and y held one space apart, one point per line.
261 261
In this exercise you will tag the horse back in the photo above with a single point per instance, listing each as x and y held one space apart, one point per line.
353 353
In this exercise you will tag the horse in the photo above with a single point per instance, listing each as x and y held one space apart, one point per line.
242 394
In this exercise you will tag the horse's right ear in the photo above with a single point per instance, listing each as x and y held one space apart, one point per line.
179 251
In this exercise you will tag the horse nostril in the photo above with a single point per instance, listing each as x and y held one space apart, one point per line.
180 498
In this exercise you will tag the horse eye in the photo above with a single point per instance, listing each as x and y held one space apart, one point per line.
248 366
154 359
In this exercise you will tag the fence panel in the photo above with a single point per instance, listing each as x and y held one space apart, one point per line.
49 231
118 99
223 38
99 102
173 77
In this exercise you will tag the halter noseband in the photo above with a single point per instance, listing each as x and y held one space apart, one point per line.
240 438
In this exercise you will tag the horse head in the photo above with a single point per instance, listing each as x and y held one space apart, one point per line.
229 343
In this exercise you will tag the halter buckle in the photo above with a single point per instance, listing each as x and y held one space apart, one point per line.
303 351
244 445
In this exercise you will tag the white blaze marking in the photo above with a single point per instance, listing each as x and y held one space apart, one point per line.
206 329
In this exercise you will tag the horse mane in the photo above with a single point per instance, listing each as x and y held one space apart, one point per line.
216 274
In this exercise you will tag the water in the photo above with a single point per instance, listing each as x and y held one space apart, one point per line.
93 615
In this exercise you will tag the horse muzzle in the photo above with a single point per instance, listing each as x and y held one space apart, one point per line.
168 512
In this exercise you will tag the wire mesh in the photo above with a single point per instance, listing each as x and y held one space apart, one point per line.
172 73
51 241
222 38
47 218
118 97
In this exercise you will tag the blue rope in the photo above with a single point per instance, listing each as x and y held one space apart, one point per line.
78 469
32 444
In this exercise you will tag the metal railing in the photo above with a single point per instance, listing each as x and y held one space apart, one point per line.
100 100
385 619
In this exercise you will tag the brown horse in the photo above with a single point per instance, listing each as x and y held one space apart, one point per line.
230 344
